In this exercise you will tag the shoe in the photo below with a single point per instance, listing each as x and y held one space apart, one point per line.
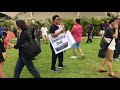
113 76
55 70
62 67
116 59
82 56
34 59
119 58
74 57
102 71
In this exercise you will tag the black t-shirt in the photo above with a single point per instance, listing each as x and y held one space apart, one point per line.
119 32
53 28
2 49
109 32
89 28
102 26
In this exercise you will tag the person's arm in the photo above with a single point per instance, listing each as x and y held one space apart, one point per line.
116 32
20 41
4 54
56 34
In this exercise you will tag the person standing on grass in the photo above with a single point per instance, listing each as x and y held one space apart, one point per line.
89 32
110 33
53 28
102 29
22 61
3 56
77 35
117 50
38 33
44 31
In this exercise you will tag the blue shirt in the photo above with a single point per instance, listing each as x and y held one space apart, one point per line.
1 33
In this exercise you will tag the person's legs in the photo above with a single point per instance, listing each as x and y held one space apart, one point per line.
79 49
60 58
18 68
43 36
116 51
118 47
30 66
88 38
46 38
74 51
38 41
54 58
102 64
2 74
109 58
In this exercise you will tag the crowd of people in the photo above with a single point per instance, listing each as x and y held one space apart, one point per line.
24 31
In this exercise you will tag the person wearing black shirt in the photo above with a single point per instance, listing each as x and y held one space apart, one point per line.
117 47
2 59
38 33
102 29
53 28
22 61
89 32
111 32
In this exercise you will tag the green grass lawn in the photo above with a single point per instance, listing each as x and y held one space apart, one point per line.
76 68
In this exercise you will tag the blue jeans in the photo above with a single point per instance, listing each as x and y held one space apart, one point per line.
30 66
38 40
117 49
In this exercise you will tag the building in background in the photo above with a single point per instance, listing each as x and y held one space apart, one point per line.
44 15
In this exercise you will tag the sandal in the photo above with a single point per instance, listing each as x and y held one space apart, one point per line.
113 76
102 71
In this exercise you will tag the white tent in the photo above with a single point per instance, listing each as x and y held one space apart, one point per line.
10 14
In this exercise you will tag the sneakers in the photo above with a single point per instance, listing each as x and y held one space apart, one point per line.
74 57
116 59
55 70
62 67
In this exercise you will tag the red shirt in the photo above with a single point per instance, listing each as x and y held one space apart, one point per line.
77 32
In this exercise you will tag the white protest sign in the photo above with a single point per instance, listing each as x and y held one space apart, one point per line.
62 42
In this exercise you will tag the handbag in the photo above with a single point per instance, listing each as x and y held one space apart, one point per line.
101 53
104 45
30 49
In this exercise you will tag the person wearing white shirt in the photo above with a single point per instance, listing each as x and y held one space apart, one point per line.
44 31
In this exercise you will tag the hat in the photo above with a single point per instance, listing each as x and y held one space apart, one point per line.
112 20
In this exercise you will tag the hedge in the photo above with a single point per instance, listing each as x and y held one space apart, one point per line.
68 23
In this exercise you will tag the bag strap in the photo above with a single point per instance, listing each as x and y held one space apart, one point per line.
110 41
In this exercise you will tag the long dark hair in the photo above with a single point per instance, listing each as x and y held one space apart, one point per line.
21 24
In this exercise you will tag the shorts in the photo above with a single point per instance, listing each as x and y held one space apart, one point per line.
102 32
44 36
109 54
76 45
